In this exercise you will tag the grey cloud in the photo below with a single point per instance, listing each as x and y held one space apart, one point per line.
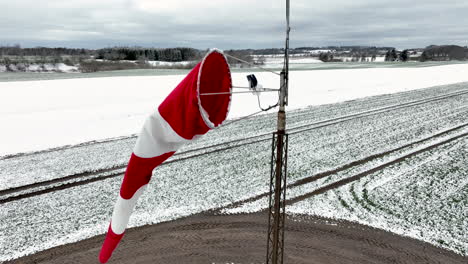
94 24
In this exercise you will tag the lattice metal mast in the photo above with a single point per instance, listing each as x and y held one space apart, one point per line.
277 214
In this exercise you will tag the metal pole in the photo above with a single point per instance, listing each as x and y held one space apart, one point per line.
278 175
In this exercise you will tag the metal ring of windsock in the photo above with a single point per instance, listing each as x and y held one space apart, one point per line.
183 116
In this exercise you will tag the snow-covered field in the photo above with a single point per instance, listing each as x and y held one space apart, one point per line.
423 197
177 189
45 67
44 114
277 62
171 64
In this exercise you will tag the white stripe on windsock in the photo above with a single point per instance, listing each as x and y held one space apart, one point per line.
157 137
123 209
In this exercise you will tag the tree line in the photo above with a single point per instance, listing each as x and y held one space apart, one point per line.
72 56
115 53
430 53
17 50
444 53
152 54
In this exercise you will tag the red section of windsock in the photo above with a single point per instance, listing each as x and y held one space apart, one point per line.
139 172
196 113
110 243
183 115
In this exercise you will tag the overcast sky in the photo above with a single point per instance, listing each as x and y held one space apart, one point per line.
232 23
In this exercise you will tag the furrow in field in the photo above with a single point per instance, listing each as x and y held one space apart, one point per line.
325 186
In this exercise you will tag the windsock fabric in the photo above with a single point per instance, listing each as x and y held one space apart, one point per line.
183 116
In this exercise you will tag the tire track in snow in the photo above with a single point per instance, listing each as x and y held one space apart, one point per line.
352 164
347 180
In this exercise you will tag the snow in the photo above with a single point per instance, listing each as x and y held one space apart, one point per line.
369 58
168 63
277 62
62 67
280 60
418 197
47 67
318 51
52 219
44 114
421 202
34 68
379 59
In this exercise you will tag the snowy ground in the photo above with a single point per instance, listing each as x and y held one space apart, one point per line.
45 67
277 62
424 197
171 64
425 201
45 114
311 66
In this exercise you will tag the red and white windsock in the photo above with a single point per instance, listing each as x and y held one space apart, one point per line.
183 116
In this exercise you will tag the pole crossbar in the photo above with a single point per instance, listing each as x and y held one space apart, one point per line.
267 91
260 89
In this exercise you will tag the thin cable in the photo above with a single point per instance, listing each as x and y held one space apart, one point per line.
265 109
240 119
251 64
271 106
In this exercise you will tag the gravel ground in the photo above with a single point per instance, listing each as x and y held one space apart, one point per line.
207 238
